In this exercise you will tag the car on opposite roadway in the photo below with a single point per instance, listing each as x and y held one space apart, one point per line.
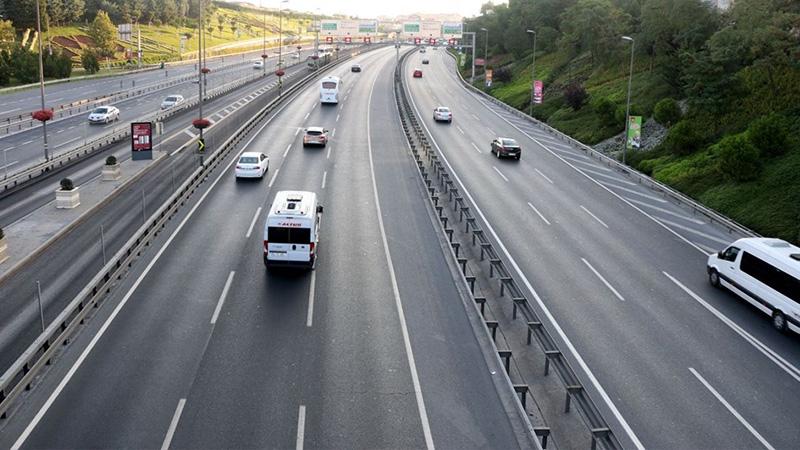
104 114
422 49
417 73
506 147
296 55
172 101
315 136
258 64
442 114
252 165
355 68
425 61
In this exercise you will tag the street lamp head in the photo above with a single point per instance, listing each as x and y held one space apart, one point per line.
484 29
627 38
530 31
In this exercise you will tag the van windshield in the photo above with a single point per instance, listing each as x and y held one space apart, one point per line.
328 85
280 235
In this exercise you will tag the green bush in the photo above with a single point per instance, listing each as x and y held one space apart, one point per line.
57 65
25 65
770 134
575 95
667 112
5 73
89 62
67 184
2 233
737 158
605 109
619 114
111 160
682 139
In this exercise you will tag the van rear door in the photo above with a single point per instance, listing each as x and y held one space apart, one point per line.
289 244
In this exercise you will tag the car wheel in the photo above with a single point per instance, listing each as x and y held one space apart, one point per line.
713 277
498 154
324 144
305 145
779 321
518 157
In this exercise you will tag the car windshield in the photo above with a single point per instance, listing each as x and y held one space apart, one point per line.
329 85
509 142
100 110
171 99
248 160
313 132
443 109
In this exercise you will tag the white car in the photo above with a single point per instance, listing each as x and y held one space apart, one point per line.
315 135
442 114
104 114
258 64
252 165
172 101
296 55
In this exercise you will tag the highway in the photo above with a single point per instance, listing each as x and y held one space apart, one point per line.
24 149
674 362
200 347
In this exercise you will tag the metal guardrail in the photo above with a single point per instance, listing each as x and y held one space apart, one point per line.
19 377
600 431
677 197
67 158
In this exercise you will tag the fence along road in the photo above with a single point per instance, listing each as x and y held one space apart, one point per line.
223 356
631 296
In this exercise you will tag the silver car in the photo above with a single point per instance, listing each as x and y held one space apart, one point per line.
172 101
104 114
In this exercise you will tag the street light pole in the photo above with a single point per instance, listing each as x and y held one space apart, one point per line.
200 78
628 103
41 77
280 43
264 46
533 69
485 49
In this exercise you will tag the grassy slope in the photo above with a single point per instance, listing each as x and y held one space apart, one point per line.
770 205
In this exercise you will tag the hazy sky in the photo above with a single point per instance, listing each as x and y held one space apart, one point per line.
374 8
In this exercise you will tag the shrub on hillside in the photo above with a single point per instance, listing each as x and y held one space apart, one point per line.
502 75
57 65
770 134
737 158
89 61
667 112
5 72
25 65
575 96
619 114
682 139
605 109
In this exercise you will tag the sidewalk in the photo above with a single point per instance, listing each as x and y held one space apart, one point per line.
31 233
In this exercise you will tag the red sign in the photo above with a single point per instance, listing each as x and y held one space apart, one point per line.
329 39
348 39
537 91
432 41
142 136
478 61
417 41
451 41
367 40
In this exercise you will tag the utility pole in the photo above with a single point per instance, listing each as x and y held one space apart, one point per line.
139 52
628 104
41 77
533 70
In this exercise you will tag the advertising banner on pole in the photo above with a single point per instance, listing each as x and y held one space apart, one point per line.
488 77
634 132
141 140
538 89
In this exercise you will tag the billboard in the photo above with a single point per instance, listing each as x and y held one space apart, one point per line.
141 140
538 89
411 28
452 29
634 132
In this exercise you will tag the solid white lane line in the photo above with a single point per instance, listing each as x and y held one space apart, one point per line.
476 147
275 175
595 217
337 117
781 362
329 152
500 173
288 147
311 292
222 296
632 191
297 131
560 331
544 176
75 366
307 114
459 129
732 410
301 427
691 230
8 149
537 212
666 211
173 424
253 223
324 177
608 285
412 365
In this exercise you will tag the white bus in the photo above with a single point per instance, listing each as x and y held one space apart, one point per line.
291 234
766 273
329 89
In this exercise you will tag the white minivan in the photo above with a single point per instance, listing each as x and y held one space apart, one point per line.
766 273
291 234
329 89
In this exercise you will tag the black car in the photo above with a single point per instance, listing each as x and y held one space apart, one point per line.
506 147
425 61
355 68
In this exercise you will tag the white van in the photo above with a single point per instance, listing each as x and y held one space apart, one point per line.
766 273
329 90
291 234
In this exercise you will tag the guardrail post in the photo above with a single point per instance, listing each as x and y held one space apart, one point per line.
549 354
492 325
482 302
456 247
598 433
518 301
463 263
544 433
523 390
571 389
506 355
471 280
503 281
531 325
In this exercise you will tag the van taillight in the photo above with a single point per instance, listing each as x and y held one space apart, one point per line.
311 248
266 244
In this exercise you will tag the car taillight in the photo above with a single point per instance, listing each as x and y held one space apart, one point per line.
239 167
311 248
266 244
